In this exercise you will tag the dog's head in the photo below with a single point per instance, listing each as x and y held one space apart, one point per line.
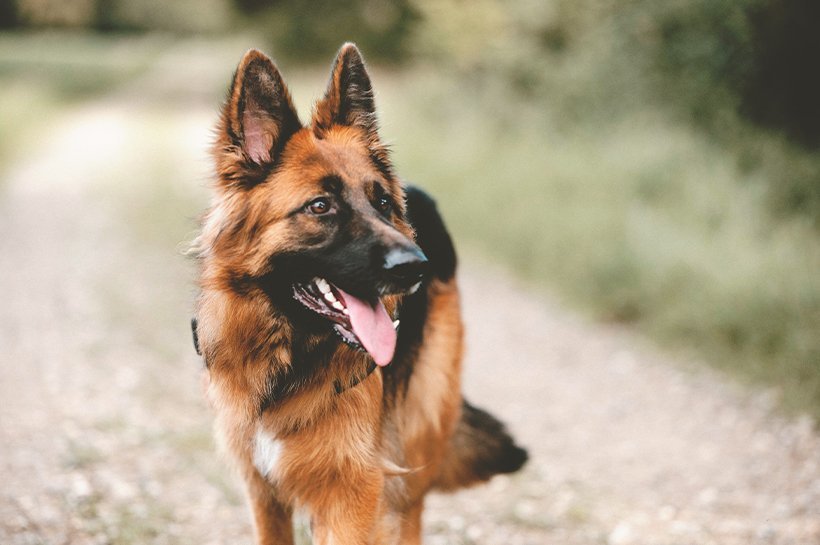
312 214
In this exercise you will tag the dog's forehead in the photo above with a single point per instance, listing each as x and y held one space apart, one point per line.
345 155
339 152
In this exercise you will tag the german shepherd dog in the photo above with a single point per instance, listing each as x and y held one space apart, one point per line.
329 320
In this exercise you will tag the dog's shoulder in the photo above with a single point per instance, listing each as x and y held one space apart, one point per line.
434 240
431 233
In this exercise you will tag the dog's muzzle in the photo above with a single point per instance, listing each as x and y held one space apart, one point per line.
405 266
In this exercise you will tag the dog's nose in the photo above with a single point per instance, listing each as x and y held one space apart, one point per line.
405 265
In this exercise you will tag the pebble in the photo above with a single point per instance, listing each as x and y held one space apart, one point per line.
707 497
80 487
667 512
622 534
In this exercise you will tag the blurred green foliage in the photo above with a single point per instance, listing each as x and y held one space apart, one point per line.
309 30
179 16
725 66
306 30
609 149
638 157
640 220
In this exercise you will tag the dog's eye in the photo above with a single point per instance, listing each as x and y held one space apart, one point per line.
384 205
319 206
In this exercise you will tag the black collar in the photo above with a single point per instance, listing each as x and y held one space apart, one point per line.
338 387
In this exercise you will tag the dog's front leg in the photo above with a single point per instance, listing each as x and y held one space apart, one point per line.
273 523
349 511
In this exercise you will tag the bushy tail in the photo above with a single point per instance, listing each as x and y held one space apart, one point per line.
480 448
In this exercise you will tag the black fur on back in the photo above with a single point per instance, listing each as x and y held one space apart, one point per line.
434 240
431 234
481 446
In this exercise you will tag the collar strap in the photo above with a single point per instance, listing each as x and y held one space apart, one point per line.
339 387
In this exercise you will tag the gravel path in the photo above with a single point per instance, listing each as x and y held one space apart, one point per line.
105 438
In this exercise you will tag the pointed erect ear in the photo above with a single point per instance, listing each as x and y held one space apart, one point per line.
257 120
349 96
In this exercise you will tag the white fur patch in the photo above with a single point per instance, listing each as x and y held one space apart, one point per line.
267 451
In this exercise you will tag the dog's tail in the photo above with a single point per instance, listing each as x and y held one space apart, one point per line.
480 448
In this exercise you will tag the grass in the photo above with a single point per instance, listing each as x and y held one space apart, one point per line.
639 219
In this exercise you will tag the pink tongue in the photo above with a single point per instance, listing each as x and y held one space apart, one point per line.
373 327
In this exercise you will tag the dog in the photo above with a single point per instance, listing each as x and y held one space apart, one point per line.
328 319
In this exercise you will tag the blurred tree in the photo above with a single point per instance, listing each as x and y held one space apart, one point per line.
180 16
8 13
763 51
783 87
310 29
759 57
254 6
715 61
184 16
65 13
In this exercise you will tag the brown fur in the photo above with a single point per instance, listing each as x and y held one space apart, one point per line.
361 461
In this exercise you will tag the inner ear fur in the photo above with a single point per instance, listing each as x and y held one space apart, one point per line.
257 120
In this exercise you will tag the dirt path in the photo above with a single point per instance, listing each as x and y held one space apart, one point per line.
104 437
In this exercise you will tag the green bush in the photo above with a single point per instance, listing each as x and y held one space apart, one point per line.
638 217
727 66
311 30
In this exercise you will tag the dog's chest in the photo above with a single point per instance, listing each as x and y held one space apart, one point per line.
267 453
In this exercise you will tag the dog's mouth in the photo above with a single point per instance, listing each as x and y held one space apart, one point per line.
361 324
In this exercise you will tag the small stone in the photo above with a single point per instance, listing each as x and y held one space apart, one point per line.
707 496
456 523
80 487
684 528
474 533
499 483
667 512
766 533
525 509
622 534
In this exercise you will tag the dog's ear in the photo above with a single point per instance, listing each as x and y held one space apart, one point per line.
257 120
349 101
349 97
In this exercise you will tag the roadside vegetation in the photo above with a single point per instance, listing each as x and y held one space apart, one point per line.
640 220
641 161
635 159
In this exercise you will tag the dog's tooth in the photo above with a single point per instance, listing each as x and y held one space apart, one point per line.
346 312
324 287
329 297
414 288
338 306
395 324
